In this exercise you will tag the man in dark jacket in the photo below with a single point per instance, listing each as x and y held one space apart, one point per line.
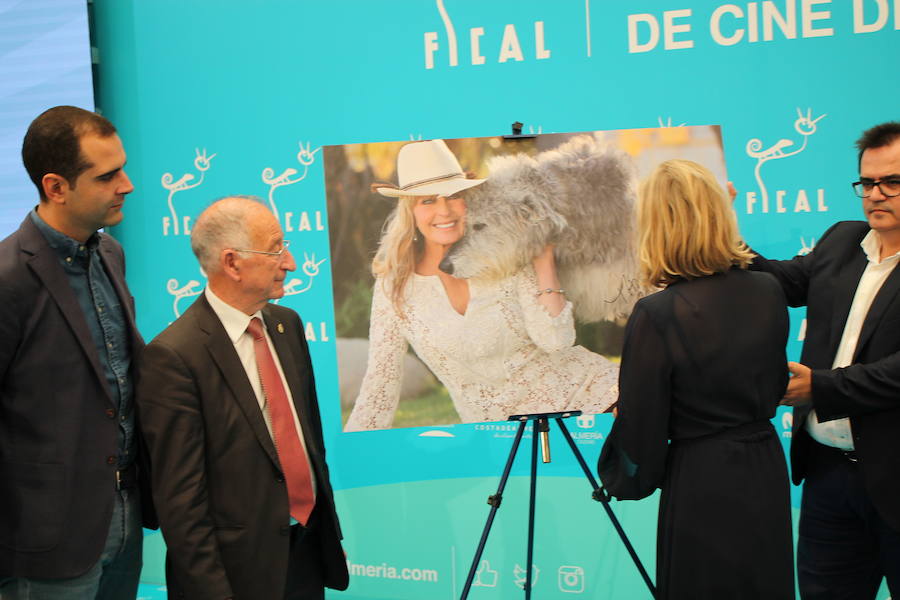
846 388
70 506
228 407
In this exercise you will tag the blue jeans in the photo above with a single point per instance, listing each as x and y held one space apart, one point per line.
113 577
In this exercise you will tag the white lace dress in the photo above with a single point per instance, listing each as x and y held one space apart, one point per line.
506 355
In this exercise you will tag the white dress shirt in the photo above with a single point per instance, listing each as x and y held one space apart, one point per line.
235 323
837 433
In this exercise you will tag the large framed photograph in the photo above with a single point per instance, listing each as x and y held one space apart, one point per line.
440 253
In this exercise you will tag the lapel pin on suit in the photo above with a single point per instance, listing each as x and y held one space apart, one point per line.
280 328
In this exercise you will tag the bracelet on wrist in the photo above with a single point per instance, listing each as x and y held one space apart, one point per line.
550 291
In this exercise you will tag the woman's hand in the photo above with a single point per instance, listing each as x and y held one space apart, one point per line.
544 265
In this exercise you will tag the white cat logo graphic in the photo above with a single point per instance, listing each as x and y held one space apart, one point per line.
190 289
294 286
451 32
668 123
806 248
310 268
510 46
787 424
305 157
787 420
202 163
805 125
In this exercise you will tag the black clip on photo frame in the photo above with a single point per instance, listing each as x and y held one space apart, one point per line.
541 425
517 132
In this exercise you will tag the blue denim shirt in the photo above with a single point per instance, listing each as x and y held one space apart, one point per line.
106 320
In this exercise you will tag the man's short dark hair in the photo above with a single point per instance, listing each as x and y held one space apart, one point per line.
53 143
878 137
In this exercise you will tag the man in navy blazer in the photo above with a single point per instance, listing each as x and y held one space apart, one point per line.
225 444
70 507
846 388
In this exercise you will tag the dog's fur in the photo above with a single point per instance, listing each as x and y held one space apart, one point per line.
579 197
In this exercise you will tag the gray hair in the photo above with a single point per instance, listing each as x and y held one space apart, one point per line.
223 224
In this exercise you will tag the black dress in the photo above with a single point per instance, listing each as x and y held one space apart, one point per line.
703 369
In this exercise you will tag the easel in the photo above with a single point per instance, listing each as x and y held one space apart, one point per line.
541 429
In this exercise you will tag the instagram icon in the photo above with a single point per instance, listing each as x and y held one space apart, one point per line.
571 579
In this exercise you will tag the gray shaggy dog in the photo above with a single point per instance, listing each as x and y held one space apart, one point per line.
580 197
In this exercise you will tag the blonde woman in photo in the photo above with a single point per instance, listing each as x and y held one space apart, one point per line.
703 370
500 348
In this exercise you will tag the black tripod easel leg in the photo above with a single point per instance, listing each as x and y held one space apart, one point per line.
494 501
601 496
538 424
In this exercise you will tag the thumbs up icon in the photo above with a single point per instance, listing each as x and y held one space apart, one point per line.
485 576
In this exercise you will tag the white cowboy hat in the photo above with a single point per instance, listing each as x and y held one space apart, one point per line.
428 169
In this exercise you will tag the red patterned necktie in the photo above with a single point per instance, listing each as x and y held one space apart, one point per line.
287 443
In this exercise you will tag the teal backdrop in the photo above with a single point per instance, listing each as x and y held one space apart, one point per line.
217 97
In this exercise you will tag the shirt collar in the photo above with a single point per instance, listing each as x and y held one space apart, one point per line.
234 320
64 246
871 245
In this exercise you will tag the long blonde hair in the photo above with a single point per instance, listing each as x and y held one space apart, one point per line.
687 226
398 251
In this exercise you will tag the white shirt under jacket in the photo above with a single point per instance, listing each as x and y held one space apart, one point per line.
837 433
235 323
506 355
